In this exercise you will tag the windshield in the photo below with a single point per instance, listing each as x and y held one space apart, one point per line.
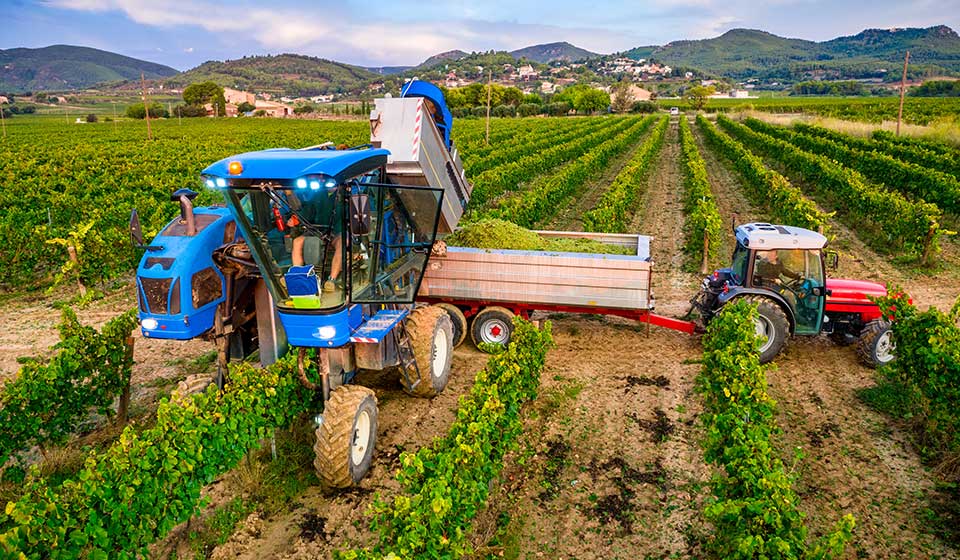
296 237
741 256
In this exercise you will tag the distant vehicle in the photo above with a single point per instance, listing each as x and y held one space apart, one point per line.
674 110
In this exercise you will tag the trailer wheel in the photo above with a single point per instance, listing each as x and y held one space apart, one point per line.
347 436
431 335
493 325
876 347
772 327
458 321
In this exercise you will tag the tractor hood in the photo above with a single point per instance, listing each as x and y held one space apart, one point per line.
853 291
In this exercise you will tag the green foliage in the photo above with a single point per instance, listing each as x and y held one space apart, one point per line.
755 510
541 199
697 96
926 373
703 223
820 87
304 109
246 107
203 93
529 162
557 108
936 88
446 484
930 145
765 187
592 101
911 179
528 138
150 481
643 107
614 209
137 111
44 402
99 174
188 111
528 109
886 220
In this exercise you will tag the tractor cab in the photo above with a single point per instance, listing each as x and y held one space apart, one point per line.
783 269
787 264
328 233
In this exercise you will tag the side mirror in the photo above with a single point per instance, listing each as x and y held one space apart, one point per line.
833 259
360 214
136 232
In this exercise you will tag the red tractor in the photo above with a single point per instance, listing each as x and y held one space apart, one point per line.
783 270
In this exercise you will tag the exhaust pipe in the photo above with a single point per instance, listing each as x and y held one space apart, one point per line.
185 198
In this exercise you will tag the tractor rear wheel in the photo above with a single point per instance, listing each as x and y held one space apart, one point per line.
875 347
347 436
493 325
431 335
457 320
772 327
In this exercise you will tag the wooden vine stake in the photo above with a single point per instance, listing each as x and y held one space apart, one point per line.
72 255
706 253
123 407
903 90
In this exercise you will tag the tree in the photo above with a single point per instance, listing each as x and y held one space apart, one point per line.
184 111
592 101
202 93
304 109
511 96
697 96
40 97
621 98
246 107
137 112
533 98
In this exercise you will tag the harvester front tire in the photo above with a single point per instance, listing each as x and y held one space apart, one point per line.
346 438
875 347
431 336
772 327
457 320
493 325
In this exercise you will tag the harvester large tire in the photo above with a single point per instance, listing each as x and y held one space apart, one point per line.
347 436
457 321
493 325
772 327
875 347
431 335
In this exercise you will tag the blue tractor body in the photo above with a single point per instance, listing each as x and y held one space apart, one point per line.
178 284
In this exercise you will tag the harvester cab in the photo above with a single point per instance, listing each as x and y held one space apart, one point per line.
783 269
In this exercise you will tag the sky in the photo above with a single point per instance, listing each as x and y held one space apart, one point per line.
186 33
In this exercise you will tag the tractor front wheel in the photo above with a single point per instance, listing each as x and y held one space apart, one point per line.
431 335
772 327
347 436
875 347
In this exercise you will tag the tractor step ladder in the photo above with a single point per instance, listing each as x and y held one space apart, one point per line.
405 353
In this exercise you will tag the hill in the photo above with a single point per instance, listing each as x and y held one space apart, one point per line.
443 57
66 67
873 53
550 52
284 74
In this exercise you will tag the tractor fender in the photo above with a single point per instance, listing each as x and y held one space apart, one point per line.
738 291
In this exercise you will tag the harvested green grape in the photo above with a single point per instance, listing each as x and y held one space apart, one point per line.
492 233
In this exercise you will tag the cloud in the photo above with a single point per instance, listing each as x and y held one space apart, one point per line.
188 50
337 34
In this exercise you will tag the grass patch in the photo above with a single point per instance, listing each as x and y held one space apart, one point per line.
216 528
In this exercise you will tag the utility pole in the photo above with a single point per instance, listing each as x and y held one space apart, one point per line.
903 90
146 107
3 120
114 116
489 95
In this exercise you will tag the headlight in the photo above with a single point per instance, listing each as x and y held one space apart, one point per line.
326 332
149 324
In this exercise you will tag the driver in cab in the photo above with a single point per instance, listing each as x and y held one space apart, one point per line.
769 271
